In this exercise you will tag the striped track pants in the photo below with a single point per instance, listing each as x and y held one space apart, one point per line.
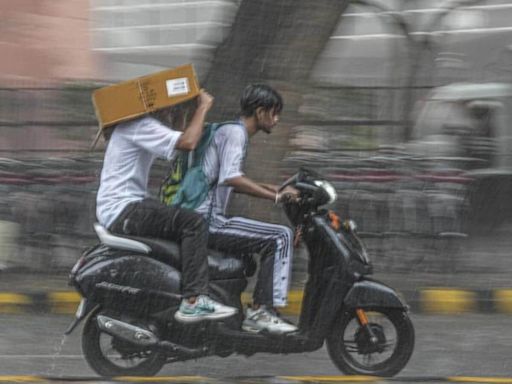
274 243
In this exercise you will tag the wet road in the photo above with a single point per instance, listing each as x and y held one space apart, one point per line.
466 345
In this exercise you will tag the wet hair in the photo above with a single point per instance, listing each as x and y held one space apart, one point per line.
255 96
176 116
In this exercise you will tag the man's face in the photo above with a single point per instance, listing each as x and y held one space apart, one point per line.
266 119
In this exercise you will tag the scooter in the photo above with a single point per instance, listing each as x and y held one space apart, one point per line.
130 289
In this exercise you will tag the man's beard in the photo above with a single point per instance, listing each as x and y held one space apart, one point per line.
265 129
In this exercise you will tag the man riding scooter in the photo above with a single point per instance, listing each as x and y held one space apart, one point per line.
124 207
260 107
131 285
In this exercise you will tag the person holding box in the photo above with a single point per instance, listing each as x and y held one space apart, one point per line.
124 205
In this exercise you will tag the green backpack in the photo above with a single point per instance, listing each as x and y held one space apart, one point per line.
186 185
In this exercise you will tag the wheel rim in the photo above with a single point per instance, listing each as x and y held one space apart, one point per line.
360 352
122 356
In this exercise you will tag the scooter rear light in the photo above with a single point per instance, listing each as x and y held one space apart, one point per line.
74 271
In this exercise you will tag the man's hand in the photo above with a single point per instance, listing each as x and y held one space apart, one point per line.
205 100
243 184
189 139
289 194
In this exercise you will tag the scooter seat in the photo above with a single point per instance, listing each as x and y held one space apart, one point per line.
221 266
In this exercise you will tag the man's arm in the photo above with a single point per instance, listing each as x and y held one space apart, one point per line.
243 184
189 139
270 187
231 154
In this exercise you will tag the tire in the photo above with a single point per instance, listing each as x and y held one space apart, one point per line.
343 340
92 340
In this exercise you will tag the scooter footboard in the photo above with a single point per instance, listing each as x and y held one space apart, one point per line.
372 294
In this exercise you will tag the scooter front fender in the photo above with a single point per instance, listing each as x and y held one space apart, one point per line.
372 294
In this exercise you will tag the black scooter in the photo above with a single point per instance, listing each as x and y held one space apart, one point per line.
130 296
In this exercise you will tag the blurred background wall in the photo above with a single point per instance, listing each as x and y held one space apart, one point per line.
372 101
45 39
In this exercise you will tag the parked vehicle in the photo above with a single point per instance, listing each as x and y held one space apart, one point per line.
130 296
465 128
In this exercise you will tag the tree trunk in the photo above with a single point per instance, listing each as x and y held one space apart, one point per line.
273 41
276 42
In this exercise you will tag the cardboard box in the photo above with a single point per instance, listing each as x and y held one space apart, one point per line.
133 98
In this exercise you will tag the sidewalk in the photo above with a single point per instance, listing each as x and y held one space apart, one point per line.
459 293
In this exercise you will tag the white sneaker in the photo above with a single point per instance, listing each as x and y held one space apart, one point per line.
203 309
265 319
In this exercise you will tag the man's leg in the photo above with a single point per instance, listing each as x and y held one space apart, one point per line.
150 218
274 242
237 245
193 237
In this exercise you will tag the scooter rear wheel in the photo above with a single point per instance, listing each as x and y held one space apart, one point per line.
351 350
109 356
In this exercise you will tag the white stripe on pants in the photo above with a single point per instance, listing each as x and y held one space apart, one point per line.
256 236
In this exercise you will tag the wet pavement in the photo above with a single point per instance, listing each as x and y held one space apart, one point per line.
261 380
473 345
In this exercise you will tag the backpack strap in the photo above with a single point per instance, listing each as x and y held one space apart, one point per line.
204 142
179 186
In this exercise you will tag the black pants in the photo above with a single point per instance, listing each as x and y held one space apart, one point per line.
150 218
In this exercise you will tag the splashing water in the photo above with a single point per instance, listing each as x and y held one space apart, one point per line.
57 350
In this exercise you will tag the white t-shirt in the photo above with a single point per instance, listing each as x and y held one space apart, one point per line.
130 153
223 160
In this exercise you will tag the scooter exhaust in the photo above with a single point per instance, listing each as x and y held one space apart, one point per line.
127 332
144 338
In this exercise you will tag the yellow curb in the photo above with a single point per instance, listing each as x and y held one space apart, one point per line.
503 300
13 302
447 301
22 379
154 379
432 300
464 379
64 302
350 379
294 302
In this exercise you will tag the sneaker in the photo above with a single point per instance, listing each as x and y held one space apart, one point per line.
203 309
264 319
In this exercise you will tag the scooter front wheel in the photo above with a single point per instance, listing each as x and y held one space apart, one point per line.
381 347
110 356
